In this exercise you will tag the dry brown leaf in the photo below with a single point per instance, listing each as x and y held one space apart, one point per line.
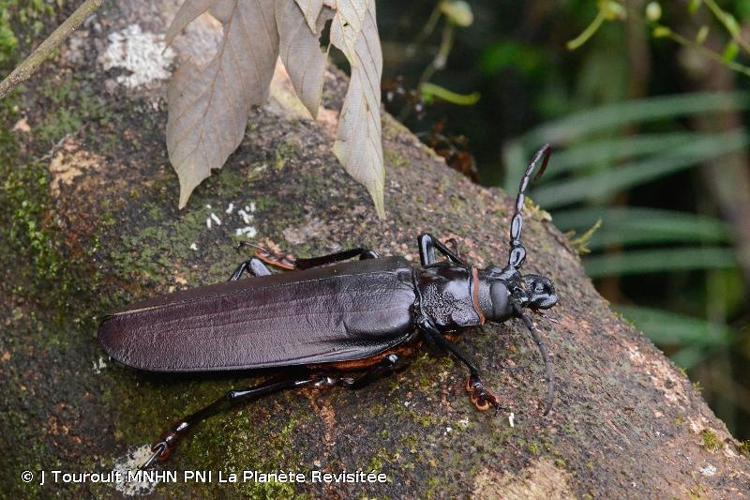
311 9
359 145
188 11
222 9
208 107
301 54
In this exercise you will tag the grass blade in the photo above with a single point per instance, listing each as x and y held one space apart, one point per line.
659 261
574 126
589 153
637 226
609 182
668 328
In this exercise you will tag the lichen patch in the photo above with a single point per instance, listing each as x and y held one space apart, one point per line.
540 480
69 163
144 56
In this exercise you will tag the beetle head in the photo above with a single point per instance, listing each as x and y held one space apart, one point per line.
539 292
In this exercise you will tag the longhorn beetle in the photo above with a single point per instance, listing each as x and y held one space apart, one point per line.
327 319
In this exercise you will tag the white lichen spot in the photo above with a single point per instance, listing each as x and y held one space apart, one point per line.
248 231
448 430
144 56
140 486
99 365
246 217
252 206
708 470
194 247
208 222
230 208
215 219
463 423
512 419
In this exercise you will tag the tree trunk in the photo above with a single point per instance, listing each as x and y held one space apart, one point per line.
89 204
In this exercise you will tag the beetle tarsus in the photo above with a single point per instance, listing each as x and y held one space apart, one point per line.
480 397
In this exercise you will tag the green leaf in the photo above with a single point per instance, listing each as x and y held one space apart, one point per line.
616 116
730 52
668 328
632 174
659 261
584 155
636 226
635 111
689 357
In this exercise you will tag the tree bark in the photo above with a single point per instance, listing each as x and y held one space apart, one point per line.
91 224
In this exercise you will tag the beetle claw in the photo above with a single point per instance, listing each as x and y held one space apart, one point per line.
481 398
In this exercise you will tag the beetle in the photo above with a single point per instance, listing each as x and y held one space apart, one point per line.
330 317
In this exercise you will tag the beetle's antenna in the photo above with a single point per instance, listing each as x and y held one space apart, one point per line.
547 364
517 250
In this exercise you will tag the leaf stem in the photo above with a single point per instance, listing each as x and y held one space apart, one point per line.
729 23
740 68
590 30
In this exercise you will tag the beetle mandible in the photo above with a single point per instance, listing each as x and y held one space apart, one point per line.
327 319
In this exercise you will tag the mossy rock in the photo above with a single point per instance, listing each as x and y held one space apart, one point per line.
91 224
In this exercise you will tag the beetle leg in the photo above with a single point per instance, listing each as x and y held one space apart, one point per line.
390 364
254 266
169 440
289 262
362 253
427 246
480 397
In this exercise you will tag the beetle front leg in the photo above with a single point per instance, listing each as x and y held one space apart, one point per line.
480 396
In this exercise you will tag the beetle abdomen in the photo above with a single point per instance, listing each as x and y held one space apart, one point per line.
336 313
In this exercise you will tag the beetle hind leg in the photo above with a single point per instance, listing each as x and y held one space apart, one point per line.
254 266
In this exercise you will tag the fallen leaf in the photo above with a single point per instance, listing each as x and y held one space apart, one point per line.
300 51
188 11
208 107
311 9
359 141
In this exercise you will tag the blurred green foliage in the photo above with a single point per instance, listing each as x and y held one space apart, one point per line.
637 119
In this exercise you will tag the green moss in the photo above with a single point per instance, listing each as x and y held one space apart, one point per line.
395 159
534 448
32 15
744 448
71 105
710 441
